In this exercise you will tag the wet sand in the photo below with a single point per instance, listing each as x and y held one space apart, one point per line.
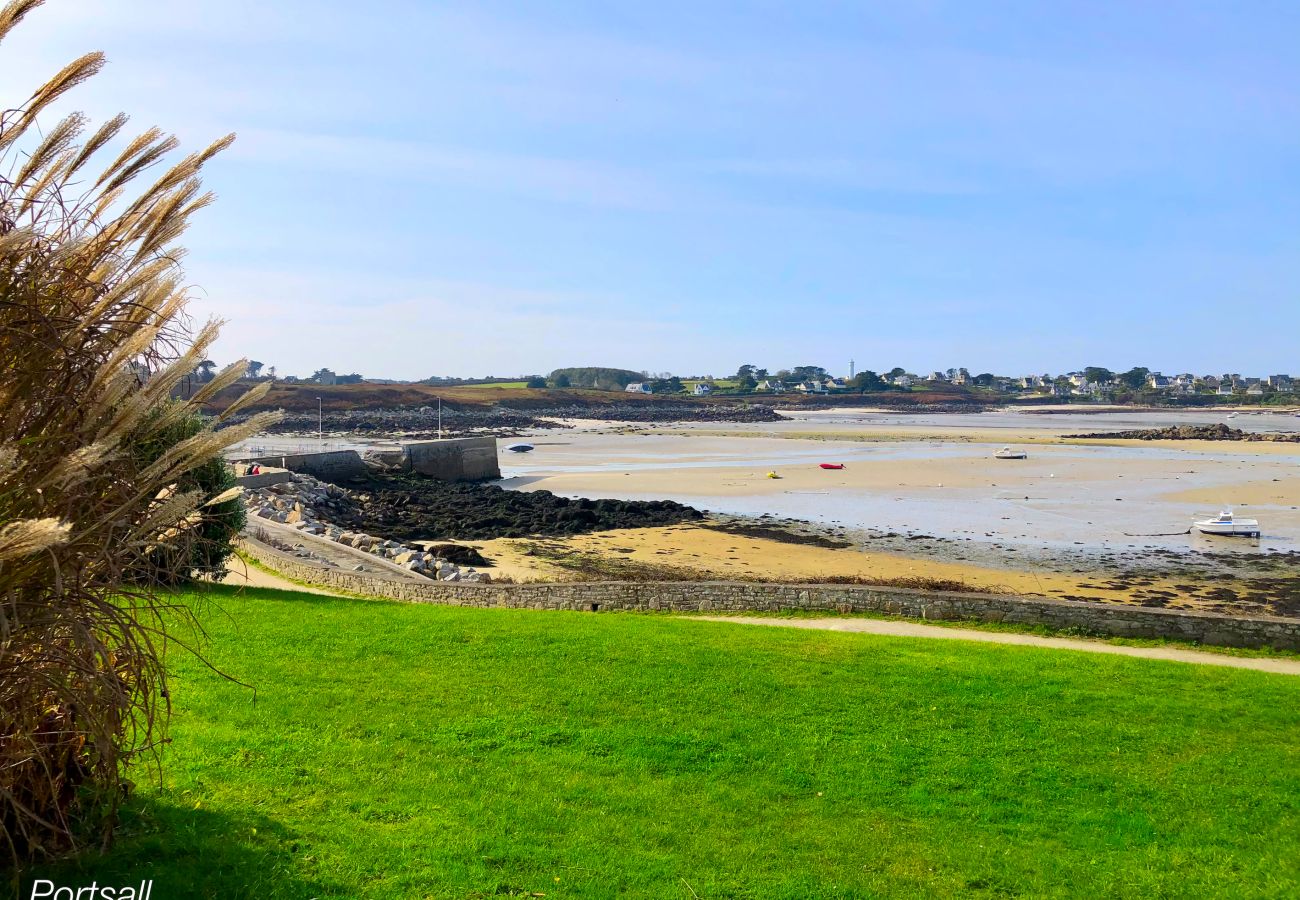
924 497
694 551
1061 496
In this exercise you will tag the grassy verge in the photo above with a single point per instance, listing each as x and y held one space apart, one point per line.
414 751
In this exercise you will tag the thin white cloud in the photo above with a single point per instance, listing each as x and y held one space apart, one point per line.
569 180
873 174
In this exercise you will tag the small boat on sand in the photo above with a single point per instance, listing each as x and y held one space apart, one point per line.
520 448
1228 525
773 475
832 465
1008 453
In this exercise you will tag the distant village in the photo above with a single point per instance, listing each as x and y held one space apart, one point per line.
1091 383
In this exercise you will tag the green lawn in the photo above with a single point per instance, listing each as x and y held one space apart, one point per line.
495 386
416 751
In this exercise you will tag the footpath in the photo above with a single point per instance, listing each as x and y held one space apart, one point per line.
905 628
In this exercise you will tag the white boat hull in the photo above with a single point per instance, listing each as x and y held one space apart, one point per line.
1244 528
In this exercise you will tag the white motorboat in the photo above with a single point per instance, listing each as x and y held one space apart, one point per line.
520 448
1008 453
1229 525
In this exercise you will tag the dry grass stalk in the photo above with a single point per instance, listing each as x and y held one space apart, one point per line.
93 345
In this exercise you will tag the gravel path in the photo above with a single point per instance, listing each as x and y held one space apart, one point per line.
903 628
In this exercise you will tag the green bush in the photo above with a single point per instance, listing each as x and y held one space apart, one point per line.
211 542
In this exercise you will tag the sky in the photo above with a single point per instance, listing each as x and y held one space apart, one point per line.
497 188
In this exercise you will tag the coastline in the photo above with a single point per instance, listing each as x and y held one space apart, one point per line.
920 498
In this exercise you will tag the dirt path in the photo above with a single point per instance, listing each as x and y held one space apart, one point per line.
243 575
903 628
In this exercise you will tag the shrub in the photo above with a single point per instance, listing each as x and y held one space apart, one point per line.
212 538
93 343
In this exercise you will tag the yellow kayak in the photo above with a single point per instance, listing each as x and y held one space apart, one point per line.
773 475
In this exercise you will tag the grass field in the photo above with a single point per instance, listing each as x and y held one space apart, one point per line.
416 751
495 386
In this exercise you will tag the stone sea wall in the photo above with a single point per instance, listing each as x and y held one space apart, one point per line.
453 460
1093 618
265 479
328 465
459 459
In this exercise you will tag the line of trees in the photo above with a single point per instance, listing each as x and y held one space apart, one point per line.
594 378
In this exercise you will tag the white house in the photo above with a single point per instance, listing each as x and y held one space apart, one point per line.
835 384
1225 389
771 384
702 389
1094 389
638 387
906 381
810 387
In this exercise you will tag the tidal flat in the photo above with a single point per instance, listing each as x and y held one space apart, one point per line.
924 497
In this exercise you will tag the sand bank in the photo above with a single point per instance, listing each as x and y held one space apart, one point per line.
1283 492
696 550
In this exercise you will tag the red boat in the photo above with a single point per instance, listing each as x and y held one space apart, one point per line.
832 465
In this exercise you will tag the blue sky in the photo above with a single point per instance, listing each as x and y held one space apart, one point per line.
494 188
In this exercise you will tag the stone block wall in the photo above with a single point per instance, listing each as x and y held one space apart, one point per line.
1094 618
264 479
456 459
328 465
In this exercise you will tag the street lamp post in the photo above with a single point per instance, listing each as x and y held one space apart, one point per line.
320 422
439 418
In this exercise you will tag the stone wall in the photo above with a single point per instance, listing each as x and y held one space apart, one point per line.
1094 618
328 465
456 459
264 479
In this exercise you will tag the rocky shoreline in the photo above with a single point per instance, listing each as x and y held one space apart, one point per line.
312 507
665 413
1219 432
410 507
422 423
